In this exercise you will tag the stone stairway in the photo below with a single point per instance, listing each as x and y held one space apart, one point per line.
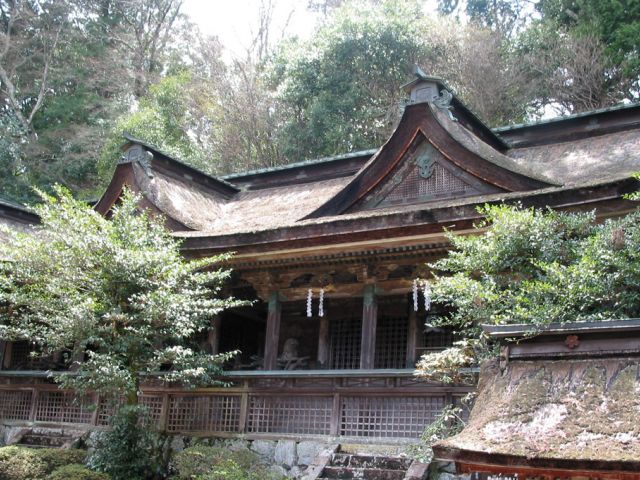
41 438
365 466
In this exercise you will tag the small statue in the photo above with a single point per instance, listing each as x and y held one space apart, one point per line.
290 360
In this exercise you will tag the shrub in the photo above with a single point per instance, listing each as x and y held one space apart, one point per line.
76 472
19 463
214 463
132 449
54 458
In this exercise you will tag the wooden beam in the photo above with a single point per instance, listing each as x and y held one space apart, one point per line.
273 332
369 322
412 338
323 343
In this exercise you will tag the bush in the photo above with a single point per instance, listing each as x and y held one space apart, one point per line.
19 463
76 472
214 463
54 458
132 449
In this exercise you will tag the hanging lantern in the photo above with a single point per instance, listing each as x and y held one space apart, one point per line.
415 295
309 299
321 303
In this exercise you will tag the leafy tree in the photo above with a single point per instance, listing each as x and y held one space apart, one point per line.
117 288
340 91
535 267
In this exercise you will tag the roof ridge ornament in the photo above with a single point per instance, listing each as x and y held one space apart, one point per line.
137 154
443 102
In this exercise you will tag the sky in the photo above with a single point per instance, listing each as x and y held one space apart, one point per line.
235 21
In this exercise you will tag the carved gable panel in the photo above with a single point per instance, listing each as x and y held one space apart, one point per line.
422 175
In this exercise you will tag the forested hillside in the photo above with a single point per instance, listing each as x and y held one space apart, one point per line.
75 74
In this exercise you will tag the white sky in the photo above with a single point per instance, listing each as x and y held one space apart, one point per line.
235 21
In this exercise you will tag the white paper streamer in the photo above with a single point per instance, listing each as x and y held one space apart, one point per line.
415 295
426 290
321 303
309 299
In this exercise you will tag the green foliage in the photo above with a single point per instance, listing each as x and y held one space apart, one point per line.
118 288
162 119
535 267
449 422
18 463
451 365
76 471
615 22
341 89
214 463
132 449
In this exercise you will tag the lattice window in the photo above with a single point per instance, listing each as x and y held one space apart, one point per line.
291 414
154 406
391 342
15 405
211 413
63 407
414 187
106 410
388 417
434 339
346 338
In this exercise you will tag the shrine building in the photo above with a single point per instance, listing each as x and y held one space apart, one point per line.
328 250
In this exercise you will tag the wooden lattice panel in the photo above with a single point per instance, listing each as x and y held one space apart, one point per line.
15 405
302 415
57 406
388 417
106 409
154 406
391 342
346 338
210 413
434 339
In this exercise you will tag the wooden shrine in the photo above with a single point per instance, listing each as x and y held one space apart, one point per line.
357 230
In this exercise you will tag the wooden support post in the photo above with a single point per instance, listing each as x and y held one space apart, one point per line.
163 421
323 343
334 428
369 323
6 358
273 333
213 339
412 339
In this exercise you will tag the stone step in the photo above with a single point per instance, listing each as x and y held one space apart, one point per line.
370 461
363 473
41 440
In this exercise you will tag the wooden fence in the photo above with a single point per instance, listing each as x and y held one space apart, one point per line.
376 404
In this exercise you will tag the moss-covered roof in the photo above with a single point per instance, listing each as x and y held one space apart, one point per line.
579 410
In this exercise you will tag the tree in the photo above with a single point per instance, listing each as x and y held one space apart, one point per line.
116 288
340 91
535 267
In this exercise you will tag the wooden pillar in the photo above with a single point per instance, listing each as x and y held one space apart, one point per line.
213 338
6 357
273 333
3 345
323 343
369 323
412 339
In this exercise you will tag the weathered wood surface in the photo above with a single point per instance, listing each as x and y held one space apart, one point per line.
295 404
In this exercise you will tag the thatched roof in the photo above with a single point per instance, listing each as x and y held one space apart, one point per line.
565 409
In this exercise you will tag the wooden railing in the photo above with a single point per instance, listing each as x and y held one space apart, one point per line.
374 404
